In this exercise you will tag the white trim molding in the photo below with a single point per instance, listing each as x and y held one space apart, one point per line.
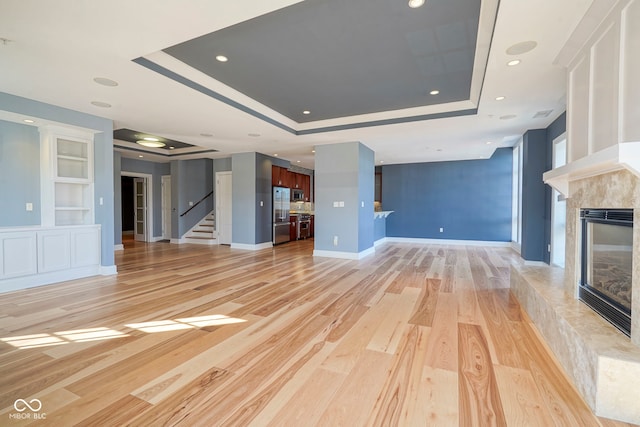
108 270
449 242
256 247
344 255
119 247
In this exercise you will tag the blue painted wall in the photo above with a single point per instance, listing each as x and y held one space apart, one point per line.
264 199
379 229
534 195
470 199
19 174
191 180
243 198
344 173
103 159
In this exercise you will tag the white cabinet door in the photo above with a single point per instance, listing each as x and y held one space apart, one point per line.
53 250
18 254
85 247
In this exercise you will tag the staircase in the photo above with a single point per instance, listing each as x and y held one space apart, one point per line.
203 233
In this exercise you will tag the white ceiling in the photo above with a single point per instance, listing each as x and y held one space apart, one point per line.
57 47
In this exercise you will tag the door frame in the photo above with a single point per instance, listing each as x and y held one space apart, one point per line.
164 208
148 182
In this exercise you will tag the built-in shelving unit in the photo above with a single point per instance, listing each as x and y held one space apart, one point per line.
67 181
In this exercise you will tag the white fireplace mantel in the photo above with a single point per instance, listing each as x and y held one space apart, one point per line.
625 155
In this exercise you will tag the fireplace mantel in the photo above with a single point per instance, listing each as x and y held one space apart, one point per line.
625 155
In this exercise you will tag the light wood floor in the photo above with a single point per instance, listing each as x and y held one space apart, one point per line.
193 335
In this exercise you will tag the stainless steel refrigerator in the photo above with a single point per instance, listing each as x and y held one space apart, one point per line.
281 223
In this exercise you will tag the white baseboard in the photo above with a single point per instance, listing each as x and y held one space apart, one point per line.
448 242
108 270
119 247
177 241
155 239
41 279
379 242
344 255
257 247
536 263
516 247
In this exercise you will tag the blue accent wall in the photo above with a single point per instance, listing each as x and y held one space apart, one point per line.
19 174
534 156
191 180
470 200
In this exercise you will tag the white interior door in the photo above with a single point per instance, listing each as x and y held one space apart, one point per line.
166 207
140 208
223 207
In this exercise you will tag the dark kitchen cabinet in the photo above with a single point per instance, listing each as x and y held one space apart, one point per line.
311 226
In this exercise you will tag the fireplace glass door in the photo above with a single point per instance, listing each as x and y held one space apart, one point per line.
607 264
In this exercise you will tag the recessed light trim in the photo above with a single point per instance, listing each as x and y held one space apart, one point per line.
306 112
221 58
415 3
275 155
434 92
105 81
29 121
140 156
489 142
499 98
101 104
150 138
150 144
513 62
522 47
172 147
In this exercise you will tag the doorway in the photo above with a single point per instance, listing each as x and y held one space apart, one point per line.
137 206
223 207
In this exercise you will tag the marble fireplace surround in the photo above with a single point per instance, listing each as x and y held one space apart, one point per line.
601 361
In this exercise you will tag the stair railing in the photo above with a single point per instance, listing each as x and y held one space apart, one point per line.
196 204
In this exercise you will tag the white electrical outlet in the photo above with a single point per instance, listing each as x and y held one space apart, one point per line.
362 204
341 204
29 207
261 203
101 201
190 203
441 229
335 240
336 204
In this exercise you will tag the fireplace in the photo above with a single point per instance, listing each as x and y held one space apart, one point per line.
607 264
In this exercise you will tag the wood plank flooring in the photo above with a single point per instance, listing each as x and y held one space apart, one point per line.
415 335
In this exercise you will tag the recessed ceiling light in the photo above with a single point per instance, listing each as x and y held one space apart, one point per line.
306 112
172 147
105 82
381 161
101 104
499 98
297 161
275 155
313 151
255 135
415 3
28 121
150 144
513 62
434 92
489 142
150 138
522 47
221 58
140 156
